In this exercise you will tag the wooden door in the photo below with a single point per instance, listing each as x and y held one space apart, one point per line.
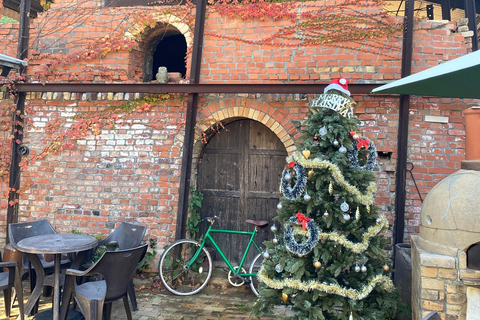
239 175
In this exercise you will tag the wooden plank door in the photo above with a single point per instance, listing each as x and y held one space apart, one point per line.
239 175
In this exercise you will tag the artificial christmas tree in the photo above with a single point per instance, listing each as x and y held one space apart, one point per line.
327 259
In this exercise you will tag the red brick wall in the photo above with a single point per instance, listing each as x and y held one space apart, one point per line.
133 174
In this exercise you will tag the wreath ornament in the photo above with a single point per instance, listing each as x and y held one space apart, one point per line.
352 155
293 192
303 248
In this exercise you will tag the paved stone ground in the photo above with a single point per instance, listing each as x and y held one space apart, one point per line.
218 301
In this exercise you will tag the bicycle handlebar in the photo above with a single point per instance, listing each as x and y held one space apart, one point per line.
210 219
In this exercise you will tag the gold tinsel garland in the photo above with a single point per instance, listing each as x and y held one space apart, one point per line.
317 163
325 287
341 239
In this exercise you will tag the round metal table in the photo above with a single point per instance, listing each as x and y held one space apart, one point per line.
56 244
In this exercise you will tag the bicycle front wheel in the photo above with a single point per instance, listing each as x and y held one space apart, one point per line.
179 278
255 268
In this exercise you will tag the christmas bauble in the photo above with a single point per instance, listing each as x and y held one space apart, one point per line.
317 264
275 240
266 255
335 142
279 206
344 206
306 153
273 228
278 268
379 220
386 268
364 269
342 150
323 131
310 174
285 297
288 177
315 138
355 136
346 216
325 214
357 268
307 197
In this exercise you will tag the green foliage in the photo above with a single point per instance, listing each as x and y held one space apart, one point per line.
194 205
145 263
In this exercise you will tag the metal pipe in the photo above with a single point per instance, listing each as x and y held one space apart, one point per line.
17 128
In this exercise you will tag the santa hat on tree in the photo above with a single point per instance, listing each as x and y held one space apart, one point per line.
340 84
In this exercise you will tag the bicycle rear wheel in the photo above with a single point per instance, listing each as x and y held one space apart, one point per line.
255 268
174 273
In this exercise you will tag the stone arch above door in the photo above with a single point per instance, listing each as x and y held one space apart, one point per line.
250 109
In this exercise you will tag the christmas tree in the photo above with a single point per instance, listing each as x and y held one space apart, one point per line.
327 259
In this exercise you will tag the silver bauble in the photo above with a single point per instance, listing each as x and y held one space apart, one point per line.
273 228
357 268
364 269
275 240
278 268
323 131
344 206
379 220
325 214
307 197
266 255
279 206
335 142
342 150
346 216
355 136
288 177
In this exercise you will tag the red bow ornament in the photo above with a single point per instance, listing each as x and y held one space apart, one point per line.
301 218
291 164
362 143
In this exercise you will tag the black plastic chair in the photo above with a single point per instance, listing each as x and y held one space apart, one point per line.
8 280
23 230
126 236
116 268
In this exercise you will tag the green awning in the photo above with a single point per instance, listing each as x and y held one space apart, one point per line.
458 78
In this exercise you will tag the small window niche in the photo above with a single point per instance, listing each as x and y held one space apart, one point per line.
167 48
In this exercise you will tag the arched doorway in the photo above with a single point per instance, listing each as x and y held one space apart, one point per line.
239 175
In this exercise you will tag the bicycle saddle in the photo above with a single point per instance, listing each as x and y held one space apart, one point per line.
260 224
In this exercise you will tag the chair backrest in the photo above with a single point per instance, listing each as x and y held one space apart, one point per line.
117 268
22 230
127 235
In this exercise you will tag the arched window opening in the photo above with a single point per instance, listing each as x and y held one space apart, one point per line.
170 53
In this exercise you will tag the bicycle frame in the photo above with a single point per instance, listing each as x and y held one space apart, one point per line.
249 245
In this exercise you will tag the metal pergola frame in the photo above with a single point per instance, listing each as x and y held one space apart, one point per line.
194 88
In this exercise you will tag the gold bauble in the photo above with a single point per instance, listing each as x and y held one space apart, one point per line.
284 297
317 264
355 136
310 174
386 268
306 153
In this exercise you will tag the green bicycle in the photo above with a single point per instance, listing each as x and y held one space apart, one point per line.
185 267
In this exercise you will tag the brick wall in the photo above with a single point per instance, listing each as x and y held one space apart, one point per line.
132 174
